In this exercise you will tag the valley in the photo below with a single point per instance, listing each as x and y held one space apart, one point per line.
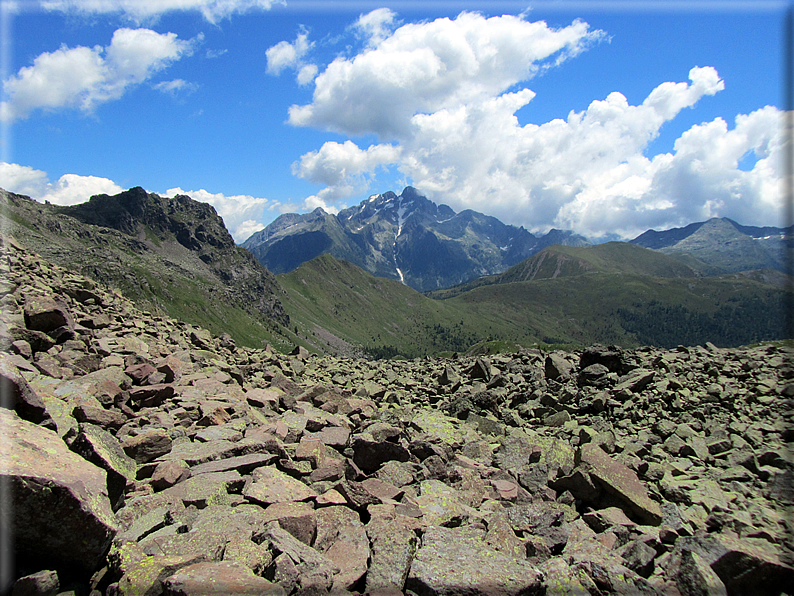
175 257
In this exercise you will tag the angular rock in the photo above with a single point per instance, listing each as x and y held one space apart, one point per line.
148 445
52 487
622 482
437 567
342 539
169 473
206 489
273 486
393 544
222 578
370 455
45 314
103 450
244 464
43 583
696 578
297 518
557 367
312 568
17 394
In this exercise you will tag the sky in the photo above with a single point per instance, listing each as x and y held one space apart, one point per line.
607 118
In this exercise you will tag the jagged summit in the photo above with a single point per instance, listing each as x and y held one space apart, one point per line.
406 237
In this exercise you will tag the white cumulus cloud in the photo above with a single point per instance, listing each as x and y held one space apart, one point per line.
426 67
445 94
589 172
69 189
376 25
285 55
141 10
344 168
83 77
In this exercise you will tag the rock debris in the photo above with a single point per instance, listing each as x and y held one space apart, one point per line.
144 456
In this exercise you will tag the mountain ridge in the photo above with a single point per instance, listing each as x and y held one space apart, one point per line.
724 244
405 237
171 255
175 256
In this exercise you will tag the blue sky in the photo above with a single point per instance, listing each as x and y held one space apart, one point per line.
601 117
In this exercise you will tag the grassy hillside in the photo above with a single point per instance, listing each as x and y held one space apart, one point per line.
630 310
208 282
334 302
567 261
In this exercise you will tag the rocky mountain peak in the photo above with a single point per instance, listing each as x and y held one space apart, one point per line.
723 244
405 237
133 212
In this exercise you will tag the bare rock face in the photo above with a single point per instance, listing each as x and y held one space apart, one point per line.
59 511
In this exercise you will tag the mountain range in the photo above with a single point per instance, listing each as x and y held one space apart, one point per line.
723 245
174 256
404 237
430 247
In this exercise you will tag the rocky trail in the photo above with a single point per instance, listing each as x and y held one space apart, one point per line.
143 456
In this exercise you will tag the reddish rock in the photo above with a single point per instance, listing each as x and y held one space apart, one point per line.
61 511
169 473
99 416
148 445
297 518
222 578
342 539
45 314
273 486
453 561
622 482
17 394
139 373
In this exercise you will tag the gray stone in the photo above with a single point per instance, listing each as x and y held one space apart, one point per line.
437 568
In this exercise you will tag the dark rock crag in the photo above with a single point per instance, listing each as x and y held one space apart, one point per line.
145 456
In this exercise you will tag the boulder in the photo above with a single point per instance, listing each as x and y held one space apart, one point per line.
17 394
221 578
59 512
102 449
622 482
453 561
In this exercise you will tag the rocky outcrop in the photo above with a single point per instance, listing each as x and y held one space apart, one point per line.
171 254
159 459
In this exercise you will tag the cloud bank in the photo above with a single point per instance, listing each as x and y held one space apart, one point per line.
83 77
142 10
69 189
445 95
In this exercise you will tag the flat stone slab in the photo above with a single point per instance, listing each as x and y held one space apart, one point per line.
206 489
244 464
454 561
622 482
271 485
223 578
194 453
